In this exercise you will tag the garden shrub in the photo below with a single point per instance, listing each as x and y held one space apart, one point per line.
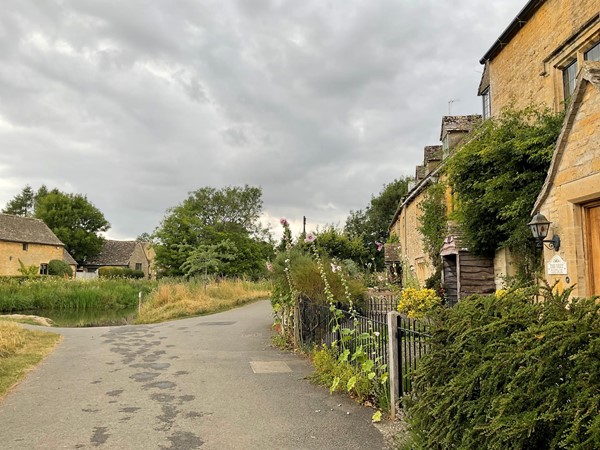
417 303
119 272
505 372
59 268
307 280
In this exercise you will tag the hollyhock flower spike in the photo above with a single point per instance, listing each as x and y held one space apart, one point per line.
379 246
270 267
310 238
283 221
335 268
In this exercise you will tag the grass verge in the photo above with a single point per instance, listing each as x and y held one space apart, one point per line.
20 351
172 300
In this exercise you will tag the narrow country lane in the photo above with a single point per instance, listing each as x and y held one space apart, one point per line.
209 382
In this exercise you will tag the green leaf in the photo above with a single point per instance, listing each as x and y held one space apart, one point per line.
351 383
334 385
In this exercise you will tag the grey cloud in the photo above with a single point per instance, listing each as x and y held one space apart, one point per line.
137 103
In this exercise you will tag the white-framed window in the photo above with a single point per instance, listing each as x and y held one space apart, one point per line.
138 266
43 269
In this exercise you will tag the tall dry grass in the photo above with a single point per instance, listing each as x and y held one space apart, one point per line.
176 299
12 338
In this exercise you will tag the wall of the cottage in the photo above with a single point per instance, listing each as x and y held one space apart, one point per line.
504 267
518 74
139 257
406 228
577 182
36 254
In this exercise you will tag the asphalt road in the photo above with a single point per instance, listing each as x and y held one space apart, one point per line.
210 382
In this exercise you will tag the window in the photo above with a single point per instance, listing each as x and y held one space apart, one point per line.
138 266
569 79
593 54
25 246
43 269
487 105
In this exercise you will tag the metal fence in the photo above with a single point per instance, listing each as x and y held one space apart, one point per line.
317 323
413 343
316 326
378 306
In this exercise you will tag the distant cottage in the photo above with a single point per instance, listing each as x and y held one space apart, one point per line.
30 241
125 254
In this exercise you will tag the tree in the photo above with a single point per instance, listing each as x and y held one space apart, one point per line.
74 220
372 224
209 258
209 216
71 217
22 204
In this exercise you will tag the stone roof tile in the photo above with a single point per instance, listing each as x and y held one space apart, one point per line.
26 230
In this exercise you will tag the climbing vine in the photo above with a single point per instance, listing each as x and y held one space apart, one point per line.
497 176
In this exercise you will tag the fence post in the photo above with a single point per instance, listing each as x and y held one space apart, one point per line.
297 337
392 324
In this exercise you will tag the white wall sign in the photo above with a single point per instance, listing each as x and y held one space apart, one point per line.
557 266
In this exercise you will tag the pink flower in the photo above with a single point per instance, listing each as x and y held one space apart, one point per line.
269 267
283 221
310 238
379 246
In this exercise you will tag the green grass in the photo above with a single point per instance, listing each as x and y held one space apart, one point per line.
63 294
20 351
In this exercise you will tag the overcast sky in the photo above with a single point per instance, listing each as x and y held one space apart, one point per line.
320 102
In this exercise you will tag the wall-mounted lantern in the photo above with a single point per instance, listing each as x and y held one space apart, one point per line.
540 226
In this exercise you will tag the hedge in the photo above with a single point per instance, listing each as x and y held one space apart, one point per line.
508 373
119 272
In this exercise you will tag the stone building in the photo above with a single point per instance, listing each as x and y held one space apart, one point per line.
537 58
477 276
30 241
536 61
570 197
125 254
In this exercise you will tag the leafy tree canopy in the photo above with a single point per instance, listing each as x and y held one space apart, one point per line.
72 218
371 225
498 174
208 217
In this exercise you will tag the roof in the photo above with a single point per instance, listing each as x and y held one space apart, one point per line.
114 253
68 258
511 31
432 153
459 123
26 230
590 74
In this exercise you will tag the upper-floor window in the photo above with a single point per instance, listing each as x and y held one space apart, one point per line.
593 54
487 105
25 246
569 79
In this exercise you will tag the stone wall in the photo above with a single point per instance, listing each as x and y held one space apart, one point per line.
139 257
576 182
406 228
529 69
36 254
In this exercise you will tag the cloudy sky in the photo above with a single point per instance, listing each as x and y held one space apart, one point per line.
320 102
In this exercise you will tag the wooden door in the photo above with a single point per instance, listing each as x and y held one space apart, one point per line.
592 237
